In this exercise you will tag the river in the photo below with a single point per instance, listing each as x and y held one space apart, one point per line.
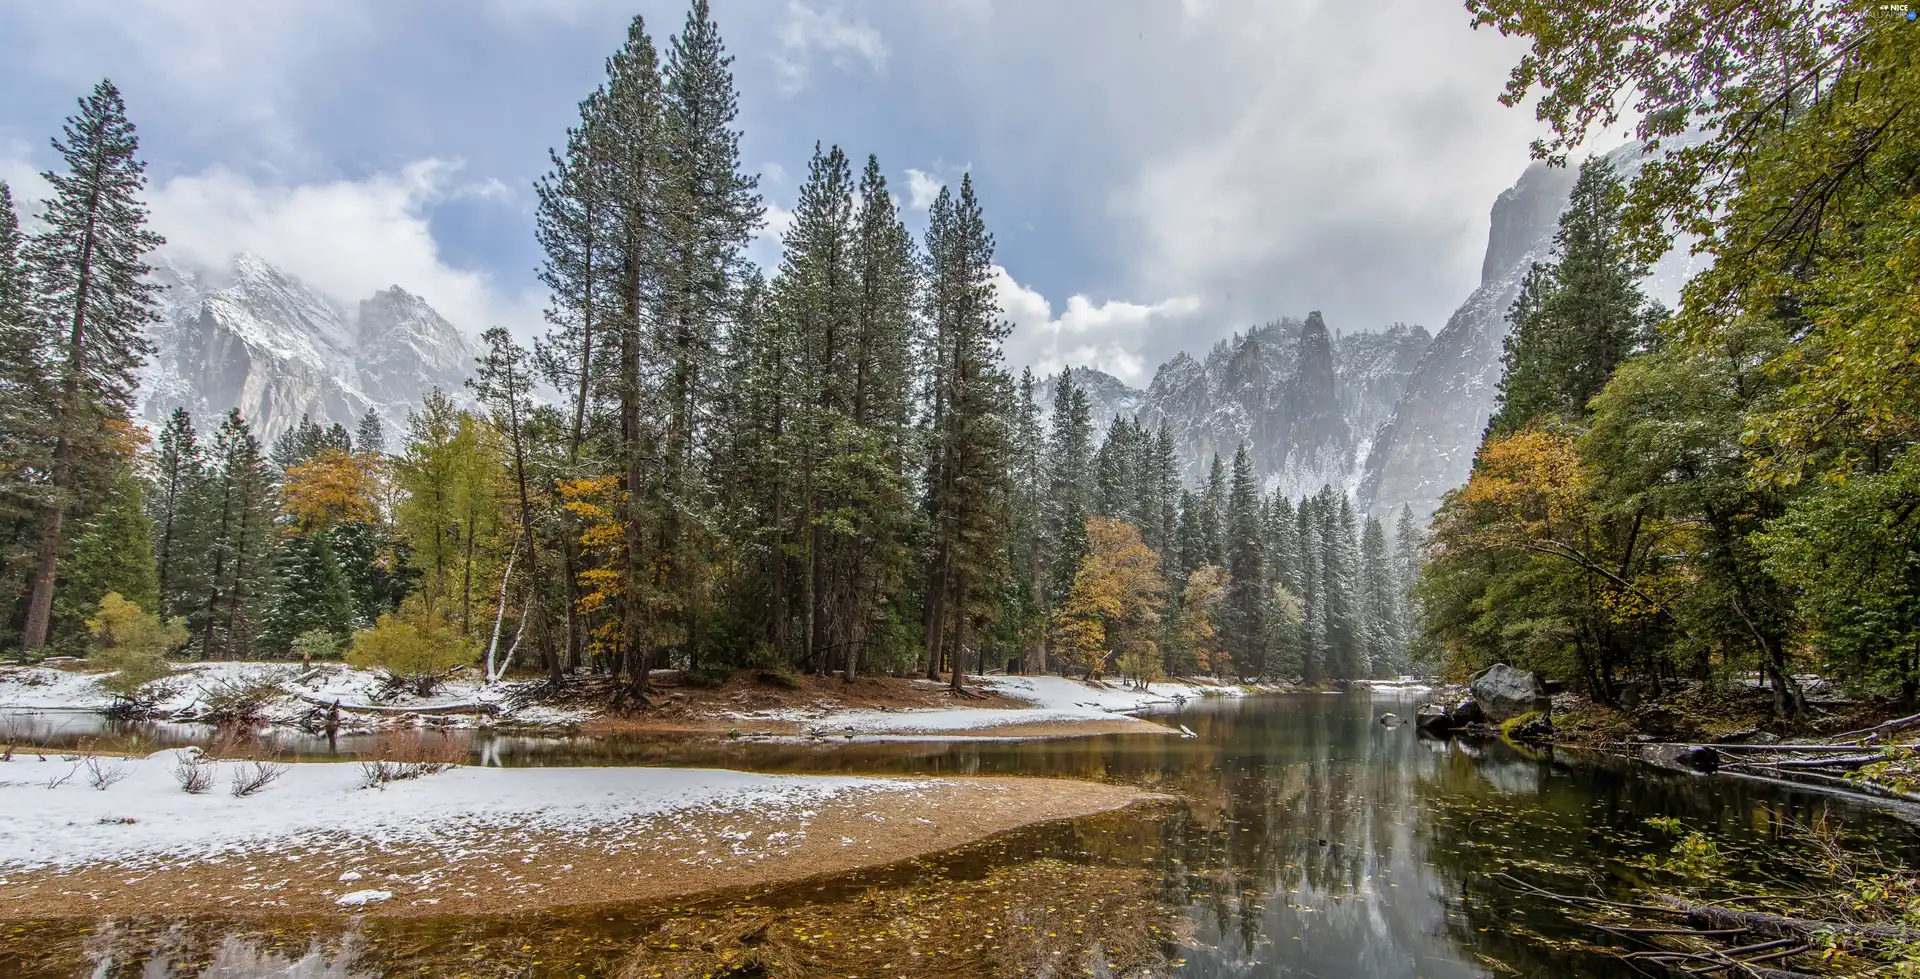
1308 840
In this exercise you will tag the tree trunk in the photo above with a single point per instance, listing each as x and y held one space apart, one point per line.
957 653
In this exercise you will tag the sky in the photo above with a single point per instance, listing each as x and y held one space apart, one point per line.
1157 173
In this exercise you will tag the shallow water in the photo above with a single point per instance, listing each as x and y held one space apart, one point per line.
1309 841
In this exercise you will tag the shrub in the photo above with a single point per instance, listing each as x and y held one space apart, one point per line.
315 644
401 755
194 772
132 643
250 777
102 776
413 646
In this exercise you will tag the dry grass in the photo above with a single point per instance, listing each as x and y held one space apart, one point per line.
403 754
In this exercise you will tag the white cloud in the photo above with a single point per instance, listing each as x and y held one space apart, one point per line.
1349 173
809 34
764 249
922 188
1106 335
23 182
239 60
345 238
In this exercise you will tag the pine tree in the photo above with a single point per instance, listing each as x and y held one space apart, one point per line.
112 549
370 436
1026 531
1069 455
1380 616
1213 513
240 512
1191 538
179 528
94 300
971 404
631 164
1247 592
1578 316
708 210
24 397
1409 546
1161 494
574 225
1314 652
311 592
815 295
1339 584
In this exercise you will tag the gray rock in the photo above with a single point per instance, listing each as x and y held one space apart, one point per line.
1391 720
1466 712
1680 757
1504 693
1433 718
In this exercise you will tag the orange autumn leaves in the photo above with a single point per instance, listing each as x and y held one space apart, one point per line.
331 489
1114 607
1532 493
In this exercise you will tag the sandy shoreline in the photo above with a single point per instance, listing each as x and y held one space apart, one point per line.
533 861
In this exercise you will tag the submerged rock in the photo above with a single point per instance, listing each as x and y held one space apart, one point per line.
1391 720
1681 757
1504 693
1433 718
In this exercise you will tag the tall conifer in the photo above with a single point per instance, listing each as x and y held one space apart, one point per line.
94 300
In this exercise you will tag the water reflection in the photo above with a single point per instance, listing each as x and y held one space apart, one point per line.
1311 841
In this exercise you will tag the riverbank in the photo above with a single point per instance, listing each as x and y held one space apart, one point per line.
749 704
472 840
1857 747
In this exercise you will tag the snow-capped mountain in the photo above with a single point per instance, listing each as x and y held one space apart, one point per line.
1427 447
1305 402
255 338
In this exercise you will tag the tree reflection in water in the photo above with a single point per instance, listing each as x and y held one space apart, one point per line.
1309 841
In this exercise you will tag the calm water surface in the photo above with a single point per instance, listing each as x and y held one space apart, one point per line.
1309 841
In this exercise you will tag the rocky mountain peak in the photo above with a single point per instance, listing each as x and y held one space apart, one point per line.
1427 447
253 337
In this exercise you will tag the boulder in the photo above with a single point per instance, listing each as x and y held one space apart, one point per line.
1391 720
1680 757
1467 712
1504 693
1433 718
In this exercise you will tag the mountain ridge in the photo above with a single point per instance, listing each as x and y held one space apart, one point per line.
253 337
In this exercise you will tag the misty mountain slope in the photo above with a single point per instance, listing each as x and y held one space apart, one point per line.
1426 448
1306 403
254 338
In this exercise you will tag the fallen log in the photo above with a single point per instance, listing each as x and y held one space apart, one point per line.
430 711
1760 749
1708 917
1894 726
1849 761
1855 786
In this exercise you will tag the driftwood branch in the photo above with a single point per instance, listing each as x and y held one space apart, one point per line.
440 709
1892 727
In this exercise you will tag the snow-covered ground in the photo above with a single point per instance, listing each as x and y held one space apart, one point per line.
1051 700
188 691
1054 700
146 818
